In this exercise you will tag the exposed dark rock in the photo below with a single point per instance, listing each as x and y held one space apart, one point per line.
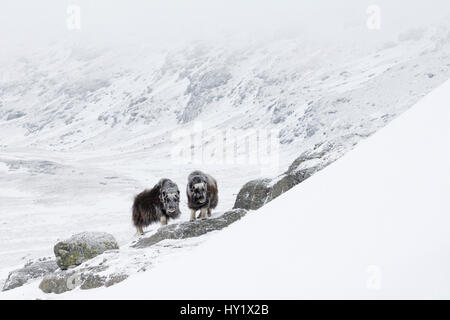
81 247
282 185
115 278
253 194
93 281
59 282
186 230
85 278
256 193
32 270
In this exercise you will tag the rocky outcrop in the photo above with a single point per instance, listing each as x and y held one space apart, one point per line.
253 194
101 273
72 254
256 193
186 230
114 279
88 277
82 247
59 282
32 270
93 281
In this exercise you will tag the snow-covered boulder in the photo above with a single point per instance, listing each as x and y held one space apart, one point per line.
93 281
32 270
83 246
192 229
59 282
85 278
256 193
253 195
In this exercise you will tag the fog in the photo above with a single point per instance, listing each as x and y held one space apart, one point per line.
28 24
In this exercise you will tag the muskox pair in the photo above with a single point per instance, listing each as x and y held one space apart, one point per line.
161 203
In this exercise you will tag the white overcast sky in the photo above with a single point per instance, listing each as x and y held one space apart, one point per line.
33 23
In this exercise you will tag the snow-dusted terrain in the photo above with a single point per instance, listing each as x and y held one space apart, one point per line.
85 126
381 234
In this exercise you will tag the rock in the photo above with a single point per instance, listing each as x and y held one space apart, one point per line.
82 247
195 228
88 278
115 278
32 270
282 185
93 274
253 195
93 281
59 282
65 280
256 193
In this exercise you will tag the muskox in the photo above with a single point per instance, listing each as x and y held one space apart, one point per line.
202 194
160 203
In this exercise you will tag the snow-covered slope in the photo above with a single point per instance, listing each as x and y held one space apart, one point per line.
78 120
86 126
372 225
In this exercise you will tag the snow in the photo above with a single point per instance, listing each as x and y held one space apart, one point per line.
94 144
97 122
372 225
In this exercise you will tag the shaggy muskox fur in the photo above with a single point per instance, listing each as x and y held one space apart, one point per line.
160 203
202 194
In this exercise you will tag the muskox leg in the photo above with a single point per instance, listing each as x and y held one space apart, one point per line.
163 220
203 213
193 215
209 212
139 230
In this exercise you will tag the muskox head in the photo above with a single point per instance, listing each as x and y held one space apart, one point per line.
170 198
197 189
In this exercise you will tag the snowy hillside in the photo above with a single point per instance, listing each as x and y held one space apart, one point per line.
99 100
372 225
91 120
